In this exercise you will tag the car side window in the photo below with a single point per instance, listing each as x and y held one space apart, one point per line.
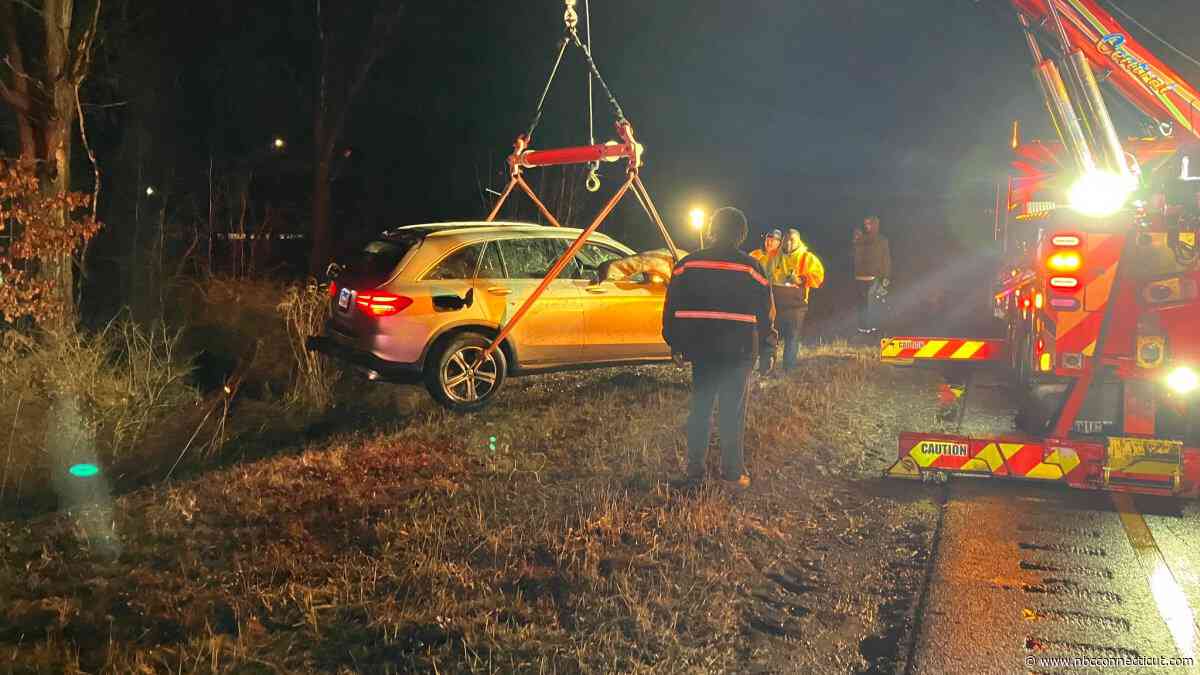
491 267
458 265
574 269
533 258
591 256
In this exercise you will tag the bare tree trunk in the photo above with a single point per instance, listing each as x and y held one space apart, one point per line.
57 15
45 117
340 76
18 96
322 236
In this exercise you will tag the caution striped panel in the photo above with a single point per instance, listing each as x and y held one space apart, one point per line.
1009 458
906 350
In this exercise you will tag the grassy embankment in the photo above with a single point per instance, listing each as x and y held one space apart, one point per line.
536 536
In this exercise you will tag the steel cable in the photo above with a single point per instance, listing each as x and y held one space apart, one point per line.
537 115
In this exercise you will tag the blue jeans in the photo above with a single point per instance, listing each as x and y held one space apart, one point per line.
724 384
791 329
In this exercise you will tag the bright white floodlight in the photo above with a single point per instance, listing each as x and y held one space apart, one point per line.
1183 380
1100 193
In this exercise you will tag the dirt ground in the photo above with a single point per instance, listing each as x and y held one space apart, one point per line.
537 536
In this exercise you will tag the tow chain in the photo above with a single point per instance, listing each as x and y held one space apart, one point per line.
570 17
571 22
593 178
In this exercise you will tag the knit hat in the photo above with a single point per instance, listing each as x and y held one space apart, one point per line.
728 226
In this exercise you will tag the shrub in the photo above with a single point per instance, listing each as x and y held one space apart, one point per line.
45 229
305 310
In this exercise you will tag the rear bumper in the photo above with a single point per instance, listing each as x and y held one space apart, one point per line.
373 367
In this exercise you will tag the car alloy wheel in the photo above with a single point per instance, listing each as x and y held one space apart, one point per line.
463 381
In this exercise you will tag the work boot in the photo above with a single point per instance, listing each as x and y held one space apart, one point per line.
739 484
691 480
686 483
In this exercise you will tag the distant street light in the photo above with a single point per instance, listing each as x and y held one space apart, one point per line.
278 143
149 191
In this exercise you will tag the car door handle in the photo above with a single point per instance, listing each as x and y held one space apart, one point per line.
499 290
595 289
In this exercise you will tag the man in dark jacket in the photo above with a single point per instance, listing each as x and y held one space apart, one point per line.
718 315
872 271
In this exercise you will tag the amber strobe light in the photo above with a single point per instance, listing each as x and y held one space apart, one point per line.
1064 261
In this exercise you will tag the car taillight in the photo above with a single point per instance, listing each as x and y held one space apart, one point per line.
1064 282
381 304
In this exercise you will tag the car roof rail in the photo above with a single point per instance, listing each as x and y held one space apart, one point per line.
448 228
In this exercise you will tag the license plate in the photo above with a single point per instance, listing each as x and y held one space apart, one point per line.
344 298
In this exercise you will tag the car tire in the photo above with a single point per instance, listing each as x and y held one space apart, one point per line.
456 385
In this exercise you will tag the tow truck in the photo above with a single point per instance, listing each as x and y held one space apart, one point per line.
1098 290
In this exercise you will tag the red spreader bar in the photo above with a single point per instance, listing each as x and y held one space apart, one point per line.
523 157
582 154
909 350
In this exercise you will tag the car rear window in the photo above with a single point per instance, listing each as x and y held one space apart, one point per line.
375 262
458 265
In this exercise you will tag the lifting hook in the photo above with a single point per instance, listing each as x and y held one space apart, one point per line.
569 16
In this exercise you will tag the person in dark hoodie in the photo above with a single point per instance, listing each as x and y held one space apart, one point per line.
872 270
718 315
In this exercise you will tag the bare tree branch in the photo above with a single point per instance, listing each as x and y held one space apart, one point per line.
18 69
17 96
104 106
82 58
91 155
18 101
28 6
383 25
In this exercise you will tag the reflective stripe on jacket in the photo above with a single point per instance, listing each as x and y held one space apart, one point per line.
718 306
808 270
801 267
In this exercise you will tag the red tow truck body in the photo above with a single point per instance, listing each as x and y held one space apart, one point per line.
1102 310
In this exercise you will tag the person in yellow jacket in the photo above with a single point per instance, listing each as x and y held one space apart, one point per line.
800 272
774 263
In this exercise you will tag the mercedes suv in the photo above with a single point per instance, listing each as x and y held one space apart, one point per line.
420 303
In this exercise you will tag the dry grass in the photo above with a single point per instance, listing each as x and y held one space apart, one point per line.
537 536
304 309
148 401
111 397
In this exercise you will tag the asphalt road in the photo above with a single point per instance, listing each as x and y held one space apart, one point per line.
1025 574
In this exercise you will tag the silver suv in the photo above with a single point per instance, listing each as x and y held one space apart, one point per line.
420 304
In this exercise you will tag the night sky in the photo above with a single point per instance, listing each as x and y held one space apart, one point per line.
805 113
802 113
